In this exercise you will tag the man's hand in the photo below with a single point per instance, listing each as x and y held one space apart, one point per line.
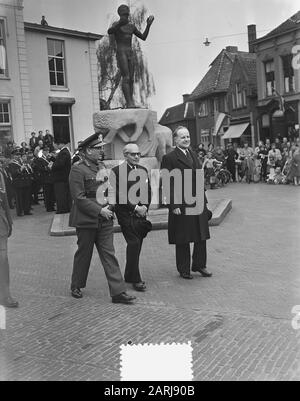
150 20
177 211
141 210
106 213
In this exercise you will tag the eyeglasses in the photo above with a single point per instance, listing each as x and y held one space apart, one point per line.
134 154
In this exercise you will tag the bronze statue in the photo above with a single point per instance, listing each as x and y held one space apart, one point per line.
123 31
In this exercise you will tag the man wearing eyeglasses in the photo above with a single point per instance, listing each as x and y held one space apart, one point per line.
93 222
133 197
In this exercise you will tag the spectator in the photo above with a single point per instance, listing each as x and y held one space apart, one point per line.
49 140
231 157
8 150
274 157
24 148
208 166
262 156
247 166
33 141
295 166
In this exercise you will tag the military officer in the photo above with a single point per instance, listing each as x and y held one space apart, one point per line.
5 232
94 223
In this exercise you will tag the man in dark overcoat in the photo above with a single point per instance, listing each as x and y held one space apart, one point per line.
184 226
60 175
130 211
94 222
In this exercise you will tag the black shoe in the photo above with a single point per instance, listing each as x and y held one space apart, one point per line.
123 298
28 214
187 276
9 302
76 293
202 271
139 286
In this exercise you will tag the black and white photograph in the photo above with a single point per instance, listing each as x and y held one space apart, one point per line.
149 193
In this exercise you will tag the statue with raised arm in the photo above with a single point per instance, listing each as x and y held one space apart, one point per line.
123 31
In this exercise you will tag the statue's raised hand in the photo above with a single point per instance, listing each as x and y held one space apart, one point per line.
150 19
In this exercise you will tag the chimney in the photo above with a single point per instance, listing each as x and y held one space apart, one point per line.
185 97
232 49
251 37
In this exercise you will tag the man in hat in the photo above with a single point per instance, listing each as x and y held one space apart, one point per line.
131 213
123 31
60 174
93 222
5 232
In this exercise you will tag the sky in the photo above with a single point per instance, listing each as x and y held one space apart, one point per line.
174 49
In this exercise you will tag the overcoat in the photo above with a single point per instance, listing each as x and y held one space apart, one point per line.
183 229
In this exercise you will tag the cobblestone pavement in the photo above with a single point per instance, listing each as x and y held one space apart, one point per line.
238 321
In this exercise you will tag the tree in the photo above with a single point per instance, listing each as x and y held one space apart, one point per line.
109 77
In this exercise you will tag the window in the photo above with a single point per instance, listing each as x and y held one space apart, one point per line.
203 110
244 98
238 94
5 124
3 58
288 73
4 113
233 101
270 77
56 62
61 119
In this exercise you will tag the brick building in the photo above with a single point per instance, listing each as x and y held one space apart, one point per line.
225 99
278 80
181 114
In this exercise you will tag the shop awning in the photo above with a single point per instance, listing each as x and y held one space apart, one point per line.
219 122
235 131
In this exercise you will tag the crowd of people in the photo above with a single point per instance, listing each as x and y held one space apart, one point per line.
37 171
273 163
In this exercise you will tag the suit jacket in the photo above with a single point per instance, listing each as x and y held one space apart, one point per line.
62 166
124 205
183 229
83 187
5 216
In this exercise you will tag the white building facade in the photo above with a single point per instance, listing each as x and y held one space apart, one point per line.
48 78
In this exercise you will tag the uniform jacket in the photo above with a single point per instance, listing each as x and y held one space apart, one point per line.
44 173
5 216
122 209
83 187
62 166
183 229
20 178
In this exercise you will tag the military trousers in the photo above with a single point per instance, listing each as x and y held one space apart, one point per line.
4 267
102 238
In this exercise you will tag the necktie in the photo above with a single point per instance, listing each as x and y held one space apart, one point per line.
188 155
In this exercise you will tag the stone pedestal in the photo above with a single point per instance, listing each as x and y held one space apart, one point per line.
139 126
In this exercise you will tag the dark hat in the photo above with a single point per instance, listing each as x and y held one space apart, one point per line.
93 141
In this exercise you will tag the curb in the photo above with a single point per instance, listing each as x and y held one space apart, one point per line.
159 219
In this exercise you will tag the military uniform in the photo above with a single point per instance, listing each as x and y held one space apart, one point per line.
42 165
92 229
5 232
22 177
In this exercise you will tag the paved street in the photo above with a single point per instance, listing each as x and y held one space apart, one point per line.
238 321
